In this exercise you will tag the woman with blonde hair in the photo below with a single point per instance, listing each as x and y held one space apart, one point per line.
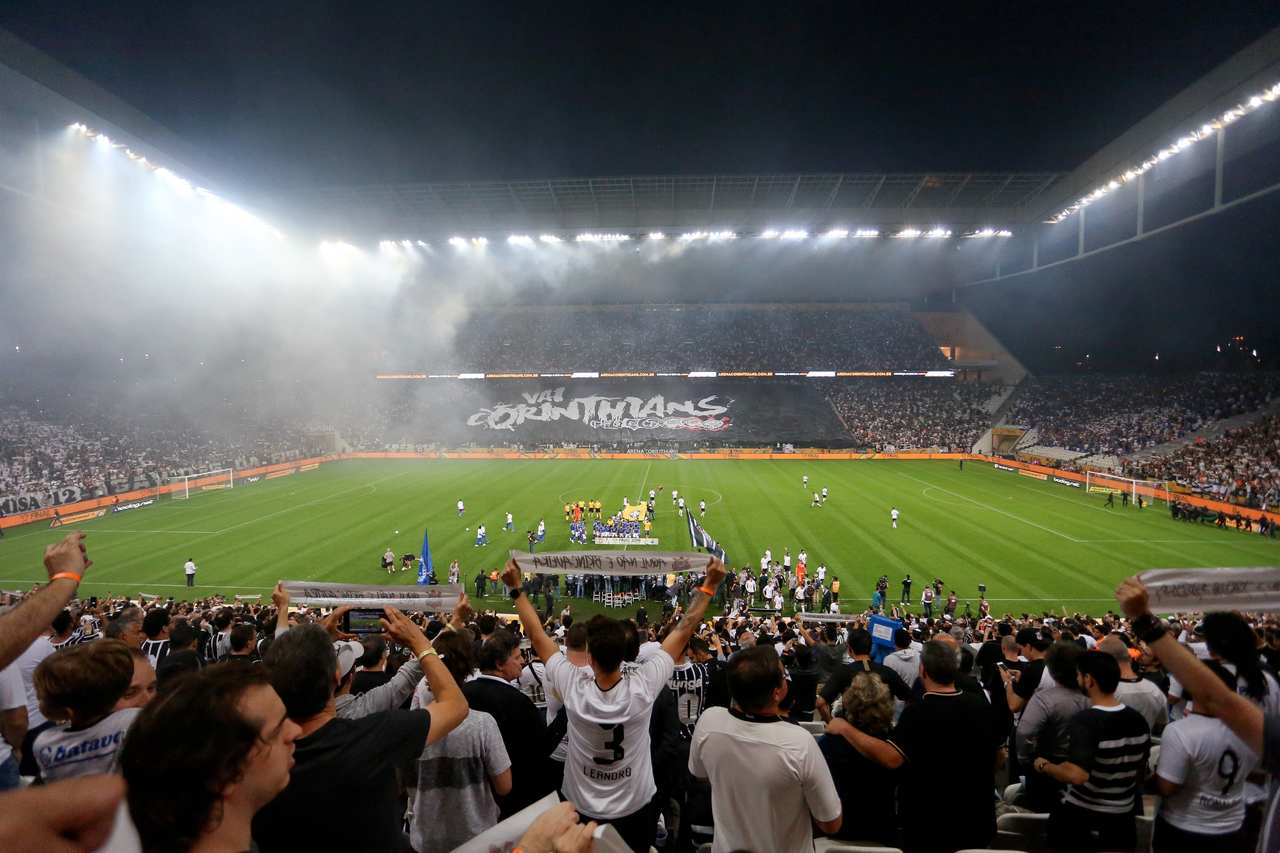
866 789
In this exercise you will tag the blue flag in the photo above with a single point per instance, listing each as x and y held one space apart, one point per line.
699 538
425 569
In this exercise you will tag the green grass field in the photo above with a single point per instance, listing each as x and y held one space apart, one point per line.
1036 545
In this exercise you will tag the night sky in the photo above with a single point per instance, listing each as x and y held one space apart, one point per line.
306 93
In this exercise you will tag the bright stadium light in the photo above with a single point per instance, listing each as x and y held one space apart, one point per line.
866 233
836 233
657 235
769 234
1182 143
907 234
480 241
937 234
983 233
422 245
690 236
457 242
387 245
602 238
408 244
717 236
549 238
520 240
795 234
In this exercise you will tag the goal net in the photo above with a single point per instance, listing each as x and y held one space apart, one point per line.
207 481
1150 490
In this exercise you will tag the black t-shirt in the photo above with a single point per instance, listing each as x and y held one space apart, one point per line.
1113 745
342 794
1027 683
866 793
947 736
840 680
988 655
366 680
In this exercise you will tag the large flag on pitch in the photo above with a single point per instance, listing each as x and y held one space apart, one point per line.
700 538
425 569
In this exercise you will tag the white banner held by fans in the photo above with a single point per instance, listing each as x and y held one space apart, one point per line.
1256 588
610 562
824 617
428 599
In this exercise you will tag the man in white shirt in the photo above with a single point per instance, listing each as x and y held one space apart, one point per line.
893 516
461 508
189 569
768 778
609 772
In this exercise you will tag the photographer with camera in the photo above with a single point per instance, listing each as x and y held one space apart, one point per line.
347 765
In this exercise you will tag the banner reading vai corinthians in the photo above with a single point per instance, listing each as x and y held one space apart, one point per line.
610 562
1255 588
427 599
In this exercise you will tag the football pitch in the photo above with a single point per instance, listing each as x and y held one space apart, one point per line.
1036 545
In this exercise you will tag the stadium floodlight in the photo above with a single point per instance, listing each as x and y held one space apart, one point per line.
836 233
716 236
520 240
408 244
590 237
457 242
769 234
866 233
984 233
1182 143
937 233
480 241
794 234
907 234
690 236
386 245
549 238
422 245
657 235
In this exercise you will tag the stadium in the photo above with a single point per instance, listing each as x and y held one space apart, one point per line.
952 405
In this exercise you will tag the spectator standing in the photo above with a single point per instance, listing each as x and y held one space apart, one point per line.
1105 768
155 627
866 789
348 766
522 725
182 655
1045 725
769 781
860 651
947 729
204 798
456 778
82 685
1201 778
1138 693
609 773
189 570
142 686
13 725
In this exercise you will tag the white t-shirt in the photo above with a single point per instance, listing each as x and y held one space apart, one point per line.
64 754
1211 764
26 663
822 573
893 514
786 561
788 781
190 567
681 503
509 518
459 506
609 772
12 695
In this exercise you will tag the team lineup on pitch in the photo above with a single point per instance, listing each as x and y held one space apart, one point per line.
1034 545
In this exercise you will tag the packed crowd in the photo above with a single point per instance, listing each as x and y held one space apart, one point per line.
196 726
896 414
96 455
1121 414
1241 465
674 338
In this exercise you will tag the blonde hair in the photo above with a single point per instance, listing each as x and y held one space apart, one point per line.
868 705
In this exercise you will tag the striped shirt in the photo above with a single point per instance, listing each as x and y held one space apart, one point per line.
1111 743
689 681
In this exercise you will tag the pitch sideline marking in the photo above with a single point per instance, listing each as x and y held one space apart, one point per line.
995 509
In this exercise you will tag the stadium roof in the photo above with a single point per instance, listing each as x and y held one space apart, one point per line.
644 202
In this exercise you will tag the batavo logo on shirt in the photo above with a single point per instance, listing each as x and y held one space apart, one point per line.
79 751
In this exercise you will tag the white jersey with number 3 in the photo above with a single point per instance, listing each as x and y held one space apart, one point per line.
609 772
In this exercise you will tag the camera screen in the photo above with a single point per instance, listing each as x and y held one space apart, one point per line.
364 621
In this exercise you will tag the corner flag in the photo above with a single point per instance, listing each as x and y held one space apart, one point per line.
699 538
425 569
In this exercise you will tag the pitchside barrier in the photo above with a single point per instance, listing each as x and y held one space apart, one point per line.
1026 469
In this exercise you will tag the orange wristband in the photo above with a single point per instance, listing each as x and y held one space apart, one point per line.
70 575
703 588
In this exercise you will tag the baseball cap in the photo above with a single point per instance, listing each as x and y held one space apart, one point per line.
349 651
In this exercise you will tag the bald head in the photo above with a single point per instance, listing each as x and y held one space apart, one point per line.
1115 647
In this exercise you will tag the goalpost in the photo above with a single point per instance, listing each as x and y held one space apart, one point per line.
1151 490
207 481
